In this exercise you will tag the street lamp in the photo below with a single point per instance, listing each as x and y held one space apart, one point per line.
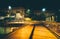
44 9
28 11
9 7
43 14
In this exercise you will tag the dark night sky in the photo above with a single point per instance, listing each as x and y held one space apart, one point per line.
33 4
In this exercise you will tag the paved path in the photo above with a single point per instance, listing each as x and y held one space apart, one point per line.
24 32
42 33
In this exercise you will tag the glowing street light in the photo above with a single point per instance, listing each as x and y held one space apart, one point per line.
43 9
9 7
28 11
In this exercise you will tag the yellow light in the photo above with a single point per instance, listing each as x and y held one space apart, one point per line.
27 19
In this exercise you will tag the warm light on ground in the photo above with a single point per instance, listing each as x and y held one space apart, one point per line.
40 32
27 19
22 33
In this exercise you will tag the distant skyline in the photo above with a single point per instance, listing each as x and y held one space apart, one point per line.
33 4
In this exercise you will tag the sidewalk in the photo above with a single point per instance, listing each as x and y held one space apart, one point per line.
55 27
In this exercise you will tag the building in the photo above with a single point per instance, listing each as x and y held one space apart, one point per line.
45 16
16 12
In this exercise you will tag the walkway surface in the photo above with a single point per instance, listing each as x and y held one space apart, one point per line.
40 32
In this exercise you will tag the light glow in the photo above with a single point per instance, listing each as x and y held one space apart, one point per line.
43 9
9 7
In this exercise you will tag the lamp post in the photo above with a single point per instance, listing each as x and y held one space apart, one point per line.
28 12
9 9
43 17
44 9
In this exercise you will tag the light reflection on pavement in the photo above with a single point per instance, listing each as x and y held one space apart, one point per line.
22 33
40 32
